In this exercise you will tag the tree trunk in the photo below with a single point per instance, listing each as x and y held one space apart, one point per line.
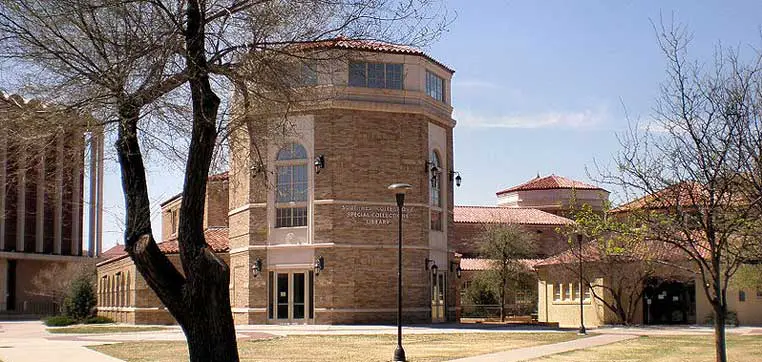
502 301
719 334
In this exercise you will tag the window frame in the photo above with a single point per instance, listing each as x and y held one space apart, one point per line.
294 159
435 193
359 75
435 86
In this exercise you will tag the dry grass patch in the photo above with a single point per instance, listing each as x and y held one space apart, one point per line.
667 349
354 348
83 329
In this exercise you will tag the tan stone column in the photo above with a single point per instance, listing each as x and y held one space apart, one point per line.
40 205
3 180
21 197
93 193
58 213
76 238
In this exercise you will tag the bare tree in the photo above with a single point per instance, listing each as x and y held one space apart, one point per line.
507 246
158 71
698 166
54 281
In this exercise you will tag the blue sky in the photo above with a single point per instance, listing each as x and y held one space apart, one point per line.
544 86
540 87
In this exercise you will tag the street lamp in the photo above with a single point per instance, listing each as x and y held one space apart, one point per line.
582 330
399 190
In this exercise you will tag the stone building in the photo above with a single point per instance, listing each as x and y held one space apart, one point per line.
42 175
312 227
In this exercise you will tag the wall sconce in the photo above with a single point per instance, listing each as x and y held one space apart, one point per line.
434 267
455 267
457 178
319 265
257 168
432 168
319 163
257 267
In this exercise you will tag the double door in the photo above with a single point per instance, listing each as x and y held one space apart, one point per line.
290 299
438 292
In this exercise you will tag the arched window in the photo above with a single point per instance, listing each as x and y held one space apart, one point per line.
436 191
291 186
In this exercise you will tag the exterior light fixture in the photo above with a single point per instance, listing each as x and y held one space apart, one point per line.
457 178
455 267
429 263
319 163
399 190
319 265
257 267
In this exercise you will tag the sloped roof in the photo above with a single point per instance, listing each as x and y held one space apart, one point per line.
341 42
682 194
506 215
647 250
216 238
476 264
550 183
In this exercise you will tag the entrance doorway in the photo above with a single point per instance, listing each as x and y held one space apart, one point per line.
290 297
438 292
669 302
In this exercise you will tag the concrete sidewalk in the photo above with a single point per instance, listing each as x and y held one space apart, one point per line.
527 353
26 341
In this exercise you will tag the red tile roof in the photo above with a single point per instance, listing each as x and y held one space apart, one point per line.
506 215
341 42
550 183
475 264
683 194
649 250
216 238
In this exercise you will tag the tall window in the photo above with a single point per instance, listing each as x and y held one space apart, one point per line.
557 288
174 220
436 191
291 186
434 86
375 75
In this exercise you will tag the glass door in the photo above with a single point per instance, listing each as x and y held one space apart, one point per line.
292 298
438 287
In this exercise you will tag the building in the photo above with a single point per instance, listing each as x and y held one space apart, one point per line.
666 291
553 194
42 175
312 227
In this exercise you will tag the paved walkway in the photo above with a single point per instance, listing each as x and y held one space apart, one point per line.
26 341
527 353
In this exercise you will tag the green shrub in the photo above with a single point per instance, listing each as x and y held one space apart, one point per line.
59 321
80 301
98 320
730 320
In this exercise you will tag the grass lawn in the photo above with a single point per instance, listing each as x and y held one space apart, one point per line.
667 349
354 348
102 329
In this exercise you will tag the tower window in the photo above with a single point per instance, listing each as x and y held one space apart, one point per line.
291 186
375 75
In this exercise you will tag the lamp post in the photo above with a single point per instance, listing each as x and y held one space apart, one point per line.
581 293
399 190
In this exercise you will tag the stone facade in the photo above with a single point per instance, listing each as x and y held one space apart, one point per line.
42 175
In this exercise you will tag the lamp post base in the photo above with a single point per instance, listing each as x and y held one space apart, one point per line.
399 354
582 331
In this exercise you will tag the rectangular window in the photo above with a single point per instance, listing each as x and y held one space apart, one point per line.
588 295
436 220
174 220
557 290
309 73
375 75
291 183
290 216
434 86
741 296
568 291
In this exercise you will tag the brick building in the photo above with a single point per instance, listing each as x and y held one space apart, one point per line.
318 195
42 175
